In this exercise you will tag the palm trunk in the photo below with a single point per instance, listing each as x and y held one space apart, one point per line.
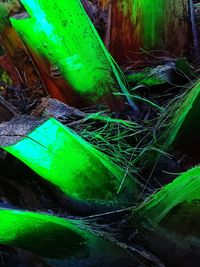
149 25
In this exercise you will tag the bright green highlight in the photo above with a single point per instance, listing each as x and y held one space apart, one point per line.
78 169
43 234
62 32
66 242
151 19
189 107
184 189
147 77
152 16
147 16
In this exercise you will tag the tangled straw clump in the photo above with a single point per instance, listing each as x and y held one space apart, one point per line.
129 143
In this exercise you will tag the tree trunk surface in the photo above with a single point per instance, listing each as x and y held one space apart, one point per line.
150 25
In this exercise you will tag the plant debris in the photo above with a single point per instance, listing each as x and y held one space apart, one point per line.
99 133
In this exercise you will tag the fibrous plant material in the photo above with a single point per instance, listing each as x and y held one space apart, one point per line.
171 219
82 59
149 25
183 131
84 162
184 189
60 156
176 132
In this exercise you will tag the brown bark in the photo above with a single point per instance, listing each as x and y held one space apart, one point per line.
150 25
20 58
7 65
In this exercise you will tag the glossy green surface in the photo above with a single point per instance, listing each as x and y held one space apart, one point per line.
78 169
64 242
61 31
46 235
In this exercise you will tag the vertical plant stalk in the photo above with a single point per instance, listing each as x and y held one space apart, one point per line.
150 25
51 78
82 59
29 69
